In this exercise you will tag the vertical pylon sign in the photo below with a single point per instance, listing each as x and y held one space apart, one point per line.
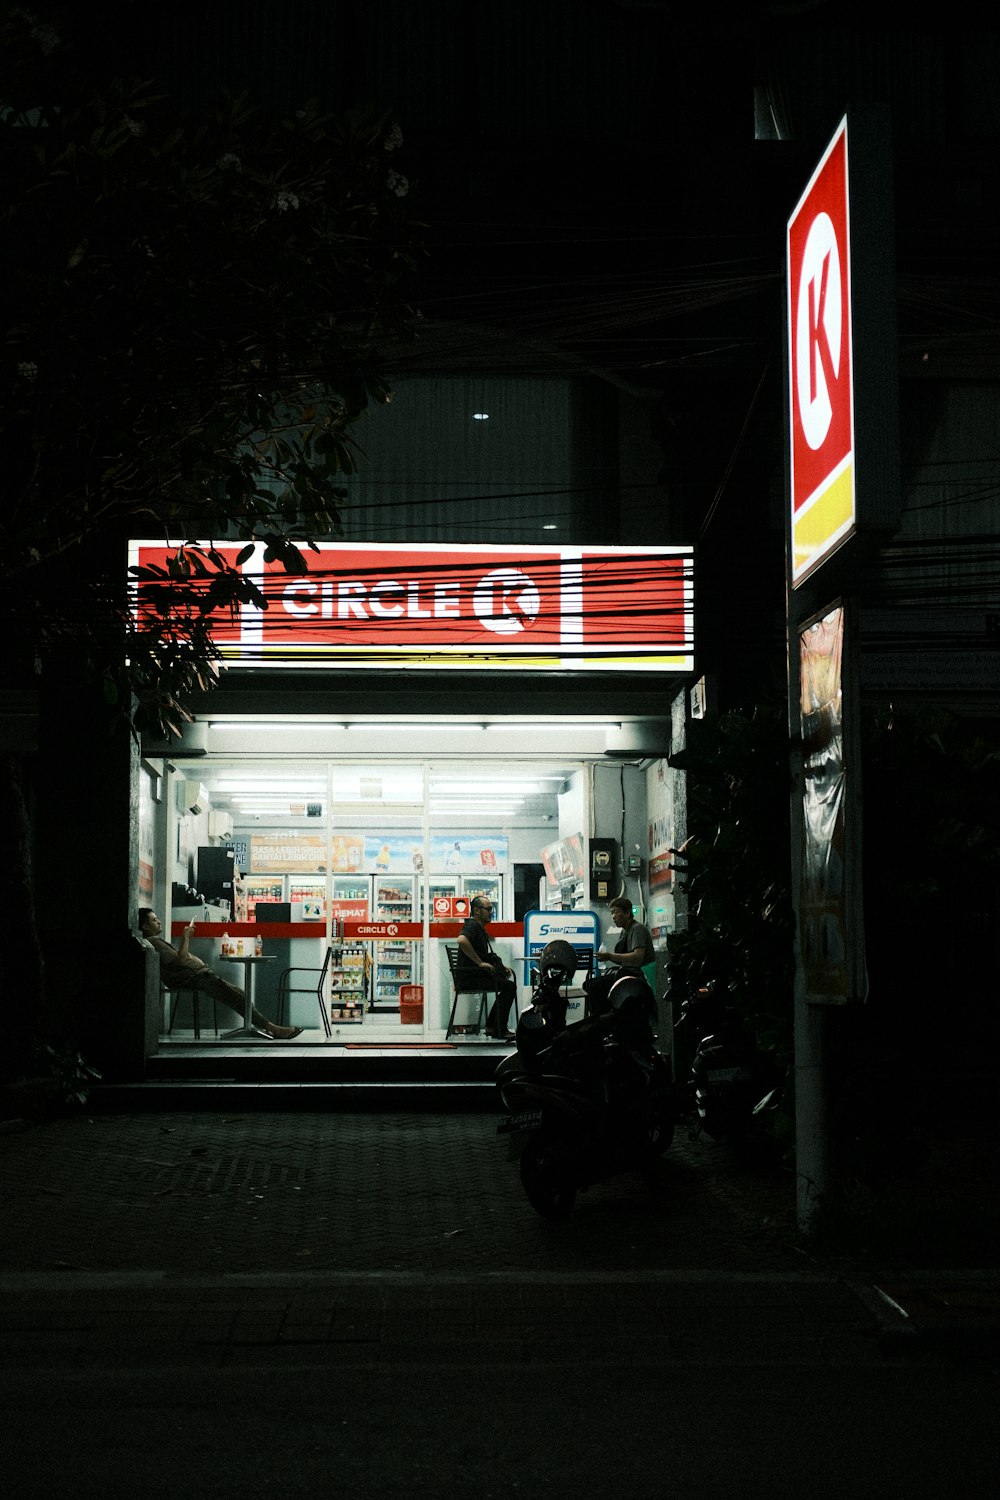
820 364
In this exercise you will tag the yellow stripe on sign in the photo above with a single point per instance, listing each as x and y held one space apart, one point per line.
826 520
637 663
393 656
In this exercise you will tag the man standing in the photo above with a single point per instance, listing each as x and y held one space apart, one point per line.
479 968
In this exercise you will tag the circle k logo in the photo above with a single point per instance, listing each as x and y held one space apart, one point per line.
818 332
506 601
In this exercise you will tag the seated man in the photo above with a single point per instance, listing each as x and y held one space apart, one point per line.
479 968
180 968
632 952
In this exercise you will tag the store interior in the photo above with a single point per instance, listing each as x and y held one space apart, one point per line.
367 843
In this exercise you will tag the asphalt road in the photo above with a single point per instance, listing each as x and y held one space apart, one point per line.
294 1305
686 1386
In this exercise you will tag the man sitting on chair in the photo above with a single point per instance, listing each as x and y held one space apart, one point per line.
479 968
633 952
179 968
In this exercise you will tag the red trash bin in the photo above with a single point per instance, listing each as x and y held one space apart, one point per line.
411 1004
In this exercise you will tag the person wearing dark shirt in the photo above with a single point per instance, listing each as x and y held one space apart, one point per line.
479 968
179 968
633 950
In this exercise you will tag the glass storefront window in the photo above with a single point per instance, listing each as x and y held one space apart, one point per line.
380 858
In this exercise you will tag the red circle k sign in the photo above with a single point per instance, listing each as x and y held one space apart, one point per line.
821 397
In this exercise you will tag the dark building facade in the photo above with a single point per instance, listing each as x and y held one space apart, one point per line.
606 186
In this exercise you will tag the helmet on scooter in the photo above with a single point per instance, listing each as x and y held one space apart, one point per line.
558 962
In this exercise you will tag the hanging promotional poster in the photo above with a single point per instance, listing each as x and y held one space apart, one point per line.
660 814
147 823
660 782
276 853
563 861
824 897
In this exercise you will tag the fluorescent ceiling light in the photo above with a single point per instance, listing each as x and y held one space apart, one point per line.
496 777
457 800
277 797
437 804
268 804
486 810
340 806
439 815
544 727
268 786
277 815
283 726
398 726
496 784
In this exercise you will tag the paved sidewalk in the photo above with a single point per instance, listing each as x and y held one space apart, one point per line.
277 1304
154 1203
214 1192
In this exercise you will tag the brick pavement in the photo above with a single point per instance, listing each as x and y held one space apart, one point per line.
271 1192
268 1229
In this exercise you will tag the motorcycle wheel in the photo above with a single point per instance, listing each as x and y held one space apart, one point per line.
544 1180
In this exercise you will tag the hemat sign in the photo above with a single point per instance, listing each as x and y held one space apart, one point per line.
821 364
534 609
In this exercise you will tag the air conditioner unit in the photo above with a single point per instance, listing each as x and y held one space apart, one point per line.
192 797
220 825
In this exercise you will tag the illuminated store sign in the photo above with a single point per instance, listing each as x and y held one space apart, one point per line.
534 609
821 376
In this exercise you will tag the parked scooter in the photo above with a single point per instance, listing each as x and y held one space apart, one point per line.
588 1101
735 1086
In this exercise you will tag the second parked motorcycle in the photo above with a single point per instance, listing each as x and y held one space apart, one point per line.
735 1086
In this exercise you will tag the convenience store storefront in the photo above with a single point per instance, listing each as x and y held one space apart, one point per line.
403 729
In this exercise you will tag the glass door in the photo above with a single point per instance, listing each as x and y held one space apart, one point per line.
394 903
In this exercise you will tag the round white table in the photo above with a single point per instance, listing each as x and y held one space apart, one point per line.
248 1032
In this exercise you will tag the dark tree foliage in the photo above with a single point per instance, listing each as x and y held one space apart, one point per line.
192 310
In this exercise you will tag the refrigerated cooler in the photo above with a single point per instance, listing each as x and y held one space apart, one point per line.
396 959
307 895
469 886
352 896
349 976
263 888
389 887
490 886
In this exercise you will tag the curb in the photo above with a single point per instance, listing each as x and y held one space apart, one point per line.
227 1094
952 1312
